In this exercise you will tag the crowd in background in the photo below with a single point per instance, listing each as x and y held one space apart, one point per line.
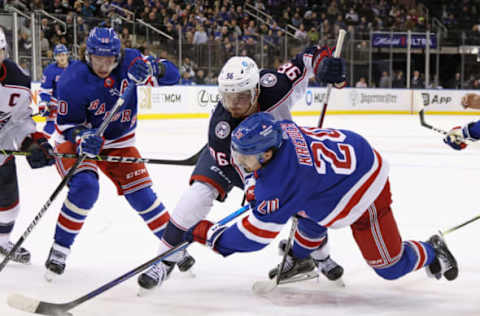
202 23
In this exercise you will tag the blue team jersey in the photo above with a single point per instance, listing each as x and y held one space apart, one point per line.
327 175
51 75
85 99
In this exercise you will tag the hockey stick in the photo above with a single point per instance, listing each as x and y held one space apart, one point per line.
191 161
262 286
336 54
459 226
425 124
66 178
59 309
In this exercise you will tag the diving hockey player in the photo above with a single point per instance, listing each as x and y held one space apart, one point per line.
337 180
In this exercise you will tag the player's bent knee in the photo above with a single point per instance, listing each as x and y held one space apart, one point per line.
142 199
391 273
84 189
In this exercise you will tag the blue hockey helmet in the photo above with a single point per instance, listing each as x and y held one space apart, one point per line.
59 49
257 134
103 41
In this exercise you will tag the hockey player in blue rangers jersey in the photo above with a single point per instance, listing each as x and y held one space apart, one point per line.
336 179
87 91
17 131
245 90
48 87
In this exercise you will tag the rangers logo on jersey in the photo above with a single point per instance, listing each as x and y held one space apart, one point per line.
268 80
222 130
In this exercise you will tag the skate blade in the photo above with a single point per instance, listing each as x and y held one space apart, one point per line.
50 276
338 282
264 287
301 277
142 292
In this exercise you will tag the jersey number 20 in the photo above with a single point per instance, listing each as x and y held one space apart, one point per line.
345 163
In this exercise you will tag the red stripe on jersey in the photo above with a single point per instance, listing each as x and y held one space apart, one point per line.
68 223
159 221
359 194
308 243
421 253
122 139
9 207
258 231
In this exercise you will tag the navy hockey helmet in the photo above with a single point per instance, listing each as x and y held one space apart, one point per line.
103 41
257 134
59 49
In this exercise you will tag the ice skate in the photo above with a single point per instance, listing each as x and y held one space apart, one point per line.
185 264
444 263
154 277
55 263
21 255
331 270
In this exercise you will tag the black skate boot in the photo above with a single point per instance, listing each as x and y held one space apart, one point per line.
186 262
293 267
21 255
55 263
329 268
154 276
444 262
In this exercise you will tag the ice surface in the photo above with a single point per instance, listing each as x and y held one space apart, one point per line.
433 186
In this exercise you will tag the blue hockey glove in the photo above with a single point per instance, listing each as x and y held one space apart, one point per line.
205 232
139 71
331 70
88 143
158 68
40 150
458 136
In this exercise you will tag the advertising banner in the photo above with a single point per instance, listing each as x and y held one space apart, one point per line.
399 40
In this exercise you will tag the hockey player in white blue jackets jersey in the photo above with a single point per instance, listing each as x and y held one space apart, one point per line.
86 93
328 178
17 132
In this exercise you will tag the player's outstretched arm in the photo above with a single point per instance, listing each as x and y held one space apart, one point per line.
471 101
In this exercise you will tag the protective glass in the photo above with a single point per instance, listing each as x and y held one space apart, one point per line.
248 162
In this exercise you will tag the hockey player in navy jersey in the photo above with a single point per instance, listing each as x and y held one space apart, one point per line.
337 180
17 132
87 91
245 90
48 87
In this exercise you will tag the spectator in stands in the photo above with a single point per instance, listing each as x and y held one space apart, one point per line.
313 36
417 82
362 83
384 80
200 77
455 82
398 80
300 33
44 44
200 37
187 79
188 66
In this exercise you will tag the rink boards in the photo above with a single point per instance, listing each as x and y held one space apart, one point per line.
198 101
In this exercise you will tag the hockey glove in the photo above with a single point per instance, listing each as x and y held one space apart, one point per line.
139 71
44 109
331 70
158 68
88 143
250 189
40 150
205 232
458 136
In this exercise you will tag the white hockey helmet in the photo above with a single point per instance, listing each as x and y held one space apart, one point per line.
239 74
